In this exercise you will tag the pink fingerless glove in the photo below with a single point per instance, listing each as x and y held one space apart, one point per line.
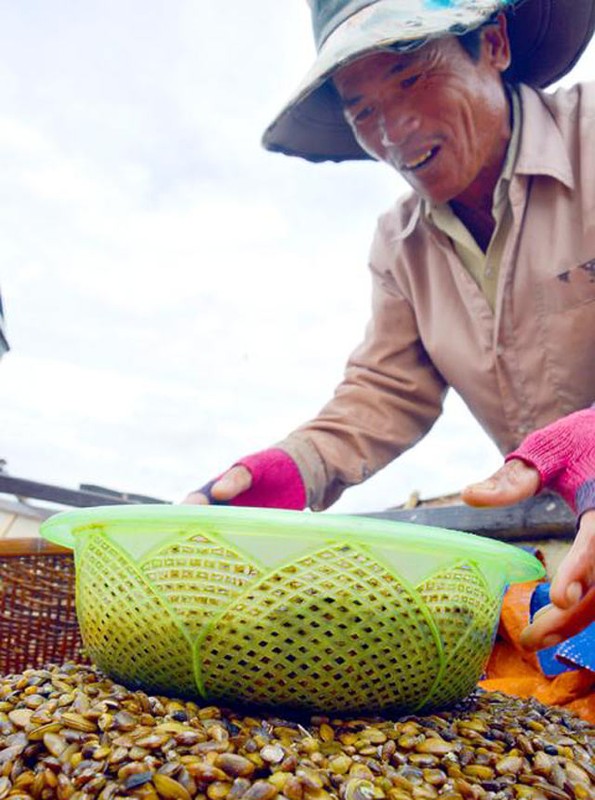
564 455
276 481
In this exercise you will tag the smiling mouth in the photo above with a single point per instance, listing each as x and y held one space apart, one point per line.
421 160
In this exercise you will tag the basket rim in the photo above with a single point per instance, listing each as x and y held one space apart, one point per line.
18 547
519 565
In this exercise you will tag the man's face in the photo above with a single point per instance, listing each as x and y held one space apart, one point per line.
435 115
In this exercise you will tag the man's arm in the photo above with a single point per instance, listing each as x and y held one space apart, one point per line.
390 397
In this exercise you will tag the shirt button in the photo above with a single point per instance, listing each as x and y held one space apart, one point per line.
499 350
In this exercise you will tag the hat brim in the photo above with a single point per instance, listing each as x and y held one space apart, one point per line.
547 38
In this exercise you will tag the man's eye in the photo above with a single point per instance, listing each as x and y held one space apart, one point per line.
407 82
363 115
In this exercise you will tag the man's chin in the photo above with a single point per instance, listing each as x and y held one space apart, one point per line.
431 195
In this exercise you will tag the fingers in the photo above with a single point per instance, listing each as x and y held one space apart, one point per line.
572 594
232 483
196 499
513 482
552 625
576 574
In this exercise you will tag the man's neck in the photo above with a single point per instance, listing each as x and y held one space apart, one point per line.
474 206
479 221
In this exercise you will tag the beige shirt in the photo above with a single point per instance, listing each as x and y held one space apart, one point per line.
484 267
518 366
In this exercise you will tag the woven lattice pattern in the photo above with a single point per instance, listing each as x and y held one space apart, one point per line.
200 578
334 630
466 614
38 623
130 630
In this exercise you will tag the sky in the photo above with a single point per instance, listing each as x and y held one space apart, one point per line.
175 296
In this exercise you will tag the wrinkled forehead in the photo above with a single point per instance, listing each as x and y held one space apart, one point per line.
383 63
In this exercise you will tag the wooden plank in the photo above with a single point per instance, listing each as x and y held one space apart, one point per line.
80 498
541 517
128 496
545 516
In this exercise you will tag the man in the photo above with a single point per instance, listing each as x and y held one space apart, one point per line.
482 276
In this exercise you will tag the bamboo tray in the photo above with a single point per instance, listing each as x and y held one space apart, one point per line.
38 622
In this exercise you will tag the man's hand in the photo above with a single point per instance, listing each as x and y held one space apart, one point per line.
572 593
267 479
513 482
573 588
225 488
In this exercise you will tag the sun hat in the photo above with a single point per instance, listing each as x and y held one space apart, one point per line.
546 36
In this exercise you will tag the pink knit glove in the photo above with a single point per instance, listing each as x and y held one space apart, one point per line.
564 455
276 482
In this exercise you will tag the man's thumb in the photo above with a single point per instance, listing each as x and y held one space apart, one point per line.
513 482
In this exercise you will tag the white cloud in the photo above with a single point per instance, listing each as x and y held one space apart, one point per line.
175 296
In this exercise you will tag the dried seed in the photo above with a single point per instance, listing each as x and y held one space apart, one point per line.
170 789
479 771
374 736
435 747
435 777
317 794
510 765
410 741
235 765
358 789
340 764
124 721
5 787
310 778
133 768
20 796
78 722
260 790
137 779
359 770
326 732
34 701
425 792
9 754
483 749
272 753
423 760
293 788
37 734
20 717
238 788
542 763
218 790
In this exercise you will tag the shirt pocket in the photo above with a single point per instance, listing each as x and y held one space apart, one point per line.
571 288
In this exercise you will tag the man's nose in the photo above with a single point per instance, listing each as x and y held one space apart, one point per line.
396 125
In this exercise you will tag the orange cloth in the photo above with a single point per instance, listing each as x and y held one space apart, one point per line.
514 671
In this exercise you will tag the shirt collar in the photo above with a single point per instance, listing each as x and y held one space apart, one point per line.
542 149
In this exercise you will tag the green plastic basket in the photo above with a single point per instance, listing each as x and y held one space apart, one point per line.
283 608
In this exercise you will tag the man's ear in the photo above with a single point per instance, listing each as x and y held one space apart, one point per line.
495 44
